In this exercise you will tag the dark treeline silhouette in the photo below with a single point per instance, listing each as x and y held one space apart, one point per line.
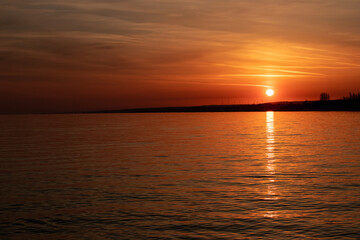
353 97
351 103
324 97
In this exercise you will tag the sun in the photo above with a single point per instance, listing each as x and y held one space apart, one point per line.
269 92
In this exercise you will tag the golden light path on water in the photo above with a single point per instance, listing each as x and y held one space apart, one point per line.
270 167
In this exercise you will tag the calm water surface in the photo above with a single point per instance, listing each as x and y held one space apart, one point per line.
260 175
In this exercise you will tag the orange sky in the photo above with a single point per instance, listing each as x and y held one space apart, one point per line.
89 55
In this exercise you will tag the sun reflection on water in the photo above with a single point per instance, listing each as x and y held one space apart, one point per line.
270 141
271 193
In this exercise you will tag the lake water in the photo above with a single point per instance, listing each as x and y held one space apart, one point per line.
264 175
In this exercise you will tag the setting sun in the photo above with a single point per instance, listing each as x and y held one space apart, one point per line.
269 92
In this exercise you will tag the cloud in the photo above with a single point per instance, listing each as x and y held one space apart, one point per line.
150 43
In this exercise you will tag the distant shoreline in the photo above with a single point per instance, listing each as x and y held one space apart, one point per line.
330 105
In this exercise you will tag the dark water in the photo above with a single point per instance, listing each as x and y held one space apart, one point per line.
181 176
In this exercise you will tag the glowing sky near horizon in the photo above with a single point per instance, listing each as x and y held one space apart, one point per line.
89 55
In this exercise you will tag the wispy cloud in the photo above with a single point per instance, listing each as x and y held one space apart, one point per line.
133 44
265 75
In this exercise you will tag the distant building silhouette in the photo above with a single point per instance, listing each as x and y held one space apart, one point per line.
324 97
